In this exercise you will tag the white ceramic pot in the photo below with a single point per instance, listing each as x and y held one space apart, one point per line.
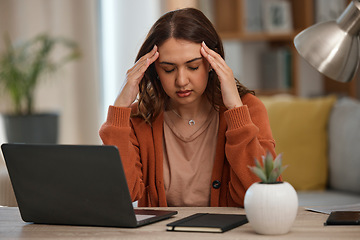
271 208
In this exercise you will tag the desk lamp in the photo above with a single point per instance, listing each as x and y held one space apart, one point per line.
333 47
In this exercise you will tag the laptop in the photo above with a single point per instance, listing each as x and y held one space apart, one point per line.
73 185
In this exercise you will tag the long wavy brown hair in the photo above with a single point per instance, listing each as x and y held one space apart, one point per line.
186 24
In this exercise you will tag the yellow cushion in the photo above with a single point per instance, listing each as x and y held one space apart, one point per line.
299 127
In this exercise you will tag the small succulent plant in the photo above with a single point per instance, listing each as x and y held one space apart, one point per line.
270 170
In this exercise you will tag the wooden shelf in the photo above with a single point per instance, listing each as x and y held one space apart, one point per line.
348 89
230 22
253 37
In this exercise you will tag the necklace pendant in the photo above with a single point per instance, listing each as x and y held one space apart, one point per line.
191 122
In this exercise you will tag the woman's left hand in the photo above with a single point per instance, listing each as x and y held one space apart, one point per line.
231 97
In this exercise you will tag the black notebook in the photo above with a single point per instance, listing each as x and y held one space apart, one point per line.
208 222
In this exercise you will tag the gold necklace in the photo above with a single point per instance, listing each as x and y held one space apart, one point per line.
191 122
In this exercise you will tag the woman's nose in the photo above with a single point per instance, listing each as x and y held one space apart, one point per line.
181 78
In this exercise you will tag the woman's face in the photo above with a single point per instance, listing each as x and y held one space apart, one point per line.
182 70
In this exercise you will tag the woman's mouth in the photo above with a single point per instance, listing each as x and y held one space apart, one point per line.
184 93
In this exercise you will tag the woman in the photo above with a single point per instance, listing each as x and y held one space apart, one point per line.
194 129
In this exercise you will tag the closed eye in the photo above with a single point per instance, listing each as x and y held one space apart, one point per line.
169 71
193 68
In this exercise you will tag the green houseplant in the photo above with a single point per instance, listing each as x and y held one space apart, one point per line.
270 205
22 67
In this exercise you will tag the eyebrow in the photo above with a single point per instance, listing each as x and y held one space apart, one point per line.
190 61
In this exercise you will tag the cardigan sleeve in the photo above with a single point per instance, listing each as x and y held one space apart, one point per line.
248 137
117 131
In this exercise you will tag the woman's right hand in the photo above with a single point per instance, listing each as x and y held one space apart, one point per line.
133 77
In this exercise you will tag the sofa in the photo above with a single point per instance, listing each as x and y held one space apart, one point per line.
320 142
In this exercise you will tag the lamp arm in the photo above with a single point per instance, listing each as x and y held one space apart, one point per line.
349 20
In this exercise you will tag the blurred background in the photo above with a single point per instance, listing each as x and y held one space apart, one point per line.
257 38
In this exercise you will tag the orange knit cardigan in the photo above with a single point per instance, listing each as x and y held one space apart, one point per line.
244 134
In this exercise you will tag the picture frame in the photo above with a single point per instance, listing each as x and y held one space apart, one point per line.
277 16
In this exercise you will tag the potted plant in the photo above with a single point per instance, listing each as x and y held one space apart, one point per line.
22 67
271 206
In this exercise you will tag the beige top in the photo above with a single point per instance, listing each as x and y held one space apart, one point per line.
189 153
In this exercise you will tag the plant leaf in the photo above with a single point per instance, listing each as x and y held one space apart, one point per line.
257 163
274 175
269 165
278 161
282 169
22 65
259 172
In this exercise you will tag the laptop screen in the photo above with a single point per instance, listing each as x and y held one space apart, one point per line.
70 184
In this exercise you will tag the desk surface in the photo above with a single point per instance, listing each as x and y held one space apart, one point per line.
307 225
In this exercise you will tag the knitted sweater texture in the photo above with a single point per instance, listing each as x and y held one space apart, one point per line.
244 134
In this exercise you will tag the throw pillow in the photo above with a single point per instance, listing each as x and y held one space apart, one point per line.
299 127
344 143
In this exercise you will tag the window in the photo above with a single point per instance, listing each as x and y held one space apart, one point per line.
123 27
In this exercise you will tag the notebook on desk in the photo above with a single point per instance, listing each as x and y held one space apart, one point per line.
73 185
